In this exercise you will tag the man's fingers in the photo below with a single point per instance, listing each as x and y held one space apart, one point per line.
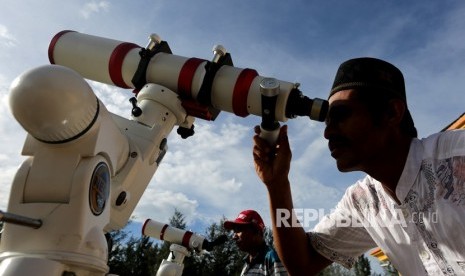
260 154
283 139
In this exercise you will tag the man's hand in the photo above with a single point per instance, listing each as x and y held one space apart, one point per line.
272 163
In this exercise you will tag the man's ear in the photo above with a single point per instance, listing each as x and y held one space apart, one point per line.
396 111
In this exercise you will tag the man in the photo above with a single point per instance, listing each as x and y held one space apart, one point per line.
261 259
411 203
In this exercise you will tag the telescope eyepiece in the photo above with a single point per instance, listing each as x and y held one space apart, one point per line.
300 105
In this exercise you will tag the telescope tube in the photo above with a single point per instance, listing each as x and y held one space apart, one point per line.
165 232
114 62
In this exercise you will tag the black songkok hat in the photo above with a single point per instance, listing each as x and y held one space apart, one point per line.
376 74
369 72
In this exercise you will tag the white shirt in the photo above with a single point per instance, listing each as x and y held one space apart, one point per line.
425 235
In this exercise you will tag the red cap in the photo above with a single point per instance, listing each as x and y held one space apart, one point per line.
246 217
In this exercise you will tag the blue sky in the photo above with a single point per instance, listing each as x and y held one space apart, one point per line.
211 174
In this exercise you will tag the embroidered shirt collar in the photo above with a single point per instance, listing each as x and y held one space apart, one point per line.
411 169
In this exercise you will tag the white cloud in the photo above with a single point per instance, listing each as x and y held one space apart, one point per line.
6 38
160 205
206 166
115 99
94 7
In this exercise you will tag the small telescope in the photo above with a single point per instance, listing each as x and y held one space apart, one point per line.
190 240
182 242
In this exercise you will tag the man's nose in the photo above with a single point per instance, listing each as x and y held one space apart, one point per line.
330 129
327 131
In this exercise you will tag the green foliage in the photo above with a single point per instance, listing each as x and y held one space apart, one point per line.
132 256
390 270
335 269
269 237
225 259
361 268
177 220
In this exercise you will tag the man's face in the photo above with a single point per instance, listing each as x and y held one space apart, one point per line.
353 139
245 237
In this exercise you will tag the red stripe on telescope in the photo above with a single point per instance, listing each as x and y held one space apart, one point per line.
143 226
241 91
186 238
51 47
162 232
115 64
186 75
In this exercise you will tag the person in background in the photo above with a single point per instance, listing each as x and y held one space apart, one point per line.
411 203
249 231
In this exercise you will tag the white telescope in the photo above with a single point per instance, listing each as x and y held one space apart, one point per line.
86 168
182 242
190 240
164 232
85 173
201 84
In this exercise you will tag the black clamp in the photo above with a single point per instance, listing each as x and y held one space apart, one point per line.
146 54
211 68
139 79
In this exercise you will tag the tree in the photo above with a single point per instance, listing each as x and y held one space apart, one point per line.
224 259
269 237
335 269
362 266
390 270
116 247
131 255
144 255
